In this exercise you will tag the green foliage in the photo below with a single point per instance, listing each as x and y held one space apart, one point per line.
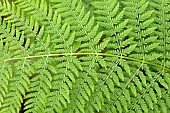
80 56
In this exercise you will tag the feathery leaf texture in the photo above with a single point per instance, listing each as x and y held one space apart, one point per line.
80 56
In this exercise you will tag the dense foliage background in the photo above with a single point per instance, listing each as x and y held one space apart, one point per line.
84 56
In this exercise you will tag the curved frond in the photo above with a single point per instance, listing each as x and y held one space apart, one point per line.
75 56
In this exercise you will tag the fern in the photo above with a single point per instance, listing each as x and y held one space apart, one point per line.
75 56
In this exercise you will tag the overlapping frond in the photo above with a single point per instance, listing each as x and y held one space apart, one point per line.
75 56
73 13
14 84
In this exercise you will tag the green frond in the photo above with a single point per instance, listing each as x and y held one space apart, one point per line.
76 56
73 13
162 23
36 9
108 16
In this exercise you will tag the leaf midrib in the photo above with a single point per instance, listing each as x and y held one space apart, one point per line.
97 54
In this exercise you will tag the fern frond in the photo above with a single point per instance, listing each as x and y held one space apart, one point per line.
72 12
109 16
14 83
75 56
161 21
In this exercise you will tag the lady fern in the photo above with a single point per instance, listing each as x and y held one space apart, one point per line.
75 56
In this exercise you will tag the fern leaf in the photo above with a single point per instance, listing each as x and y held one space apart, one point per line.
149 101
144 106
75 56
